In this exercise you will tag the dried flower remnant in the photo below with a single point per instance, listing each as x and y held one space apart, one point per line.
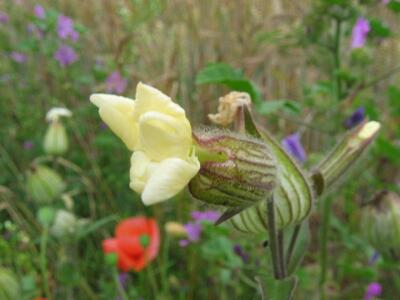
356 118
115 83
293 146
228 108
359 33
65 55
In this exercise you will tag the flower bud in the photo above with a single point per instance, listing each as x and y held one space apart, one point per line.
55 140
44 184
65 224
380 224
175 229
346 153
9 286
236 170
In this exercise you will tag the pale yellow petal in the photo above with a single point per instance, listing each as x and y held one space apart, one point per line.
169 178
162 136
141 169
117 113
151 99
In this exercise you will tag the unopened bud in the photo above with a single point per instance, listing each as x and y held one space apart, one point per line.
175 229
380 224
55 140
65 224
44 184
346 153
236 170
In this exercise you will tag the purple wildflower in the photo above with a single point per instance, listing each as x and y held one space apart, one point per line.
27 145
356 118
293 146
65 28
116 83
3 18
37 32
184 243
193 231
123 278
385 2
65 55
18 57
359 33
208 215
373 258
374 289
39 11
240 252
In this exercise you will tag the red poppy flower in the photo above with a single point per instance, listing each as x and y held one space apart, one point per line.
136 243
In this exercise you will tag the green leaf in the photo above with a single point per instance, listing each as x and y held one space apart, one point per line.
84 231
302 244
273 106
227 75
379 29
277 289
390 150
394 6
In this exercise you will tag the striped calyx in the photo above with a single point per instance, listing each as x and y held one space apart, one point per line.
236 170
293 196
380 224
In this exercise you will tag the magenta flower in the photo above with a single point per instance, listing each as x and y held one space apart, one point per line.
3 18
293 146
39 11
374 289
65 28
65 55
208 215
359 33
193 229
28 145
356 118
18 57
115 83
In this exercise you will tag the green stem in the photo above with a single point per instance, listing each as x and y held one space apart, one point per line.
281 251
120 288
324 231
43 262
336 59
292 243
273 239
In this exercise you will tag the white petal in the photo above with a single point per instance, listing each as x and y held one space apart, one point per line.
169 178
151 99
141 169
56 112
162 136
117 113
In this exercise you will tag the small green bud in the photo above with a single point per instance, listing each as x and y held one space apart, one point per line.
236 170
380 224
9 286
45 216
144 240
55 140
44 184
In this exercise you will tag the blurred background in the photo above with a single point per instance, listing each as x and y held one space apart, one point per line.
306 73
